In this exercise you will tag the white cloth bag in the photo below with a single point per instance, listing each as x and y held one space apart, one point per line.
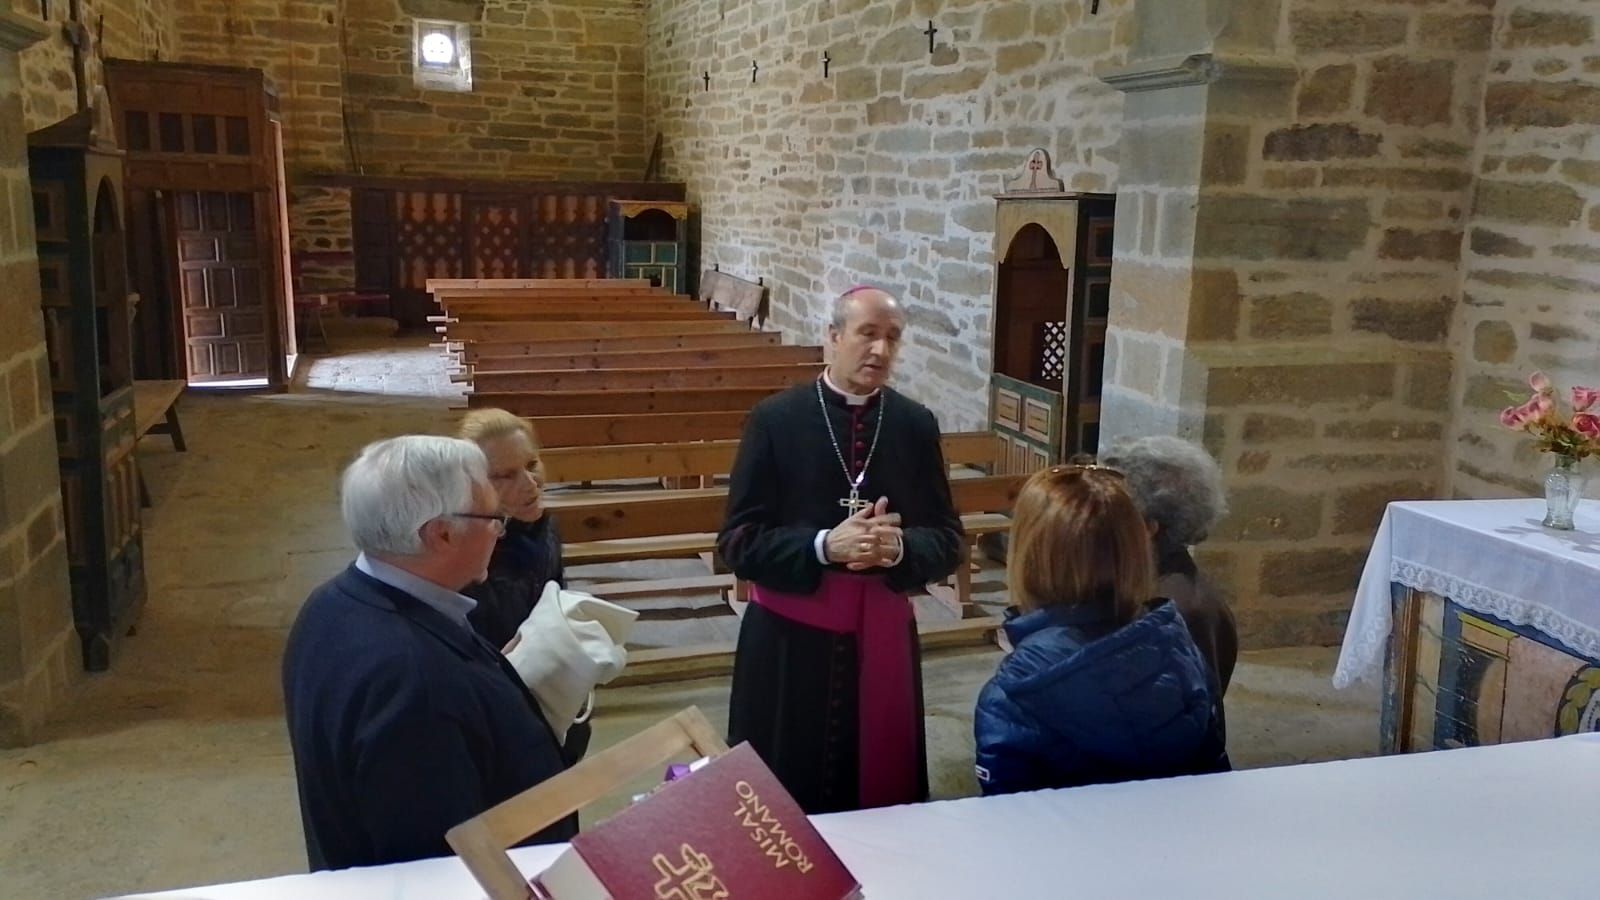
570 643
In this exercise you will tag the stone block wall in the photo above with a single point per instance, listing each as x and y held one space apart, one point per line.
884 171
134 29
38 646
1531 262
558 87
1325 247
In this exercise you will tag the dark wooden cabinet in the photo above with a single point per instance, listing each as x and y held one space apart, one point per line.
77 184
649 239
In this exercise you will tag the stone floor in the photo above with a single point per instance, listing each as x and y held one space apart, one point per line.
173 769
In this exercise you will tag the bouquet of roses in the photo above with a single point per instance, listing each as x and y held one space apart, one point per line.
1575 436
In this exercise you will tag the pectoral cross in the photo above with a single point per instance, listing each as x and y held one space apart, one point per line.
854 503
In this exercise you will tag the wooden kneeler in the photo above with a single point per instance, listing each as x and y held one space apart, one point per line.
482 840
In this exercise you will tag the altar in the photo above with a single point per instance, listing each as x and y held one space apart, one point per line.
1483 624
1375 828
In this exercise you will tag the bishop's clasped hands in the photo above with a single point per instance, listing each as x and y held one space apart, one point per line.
871 538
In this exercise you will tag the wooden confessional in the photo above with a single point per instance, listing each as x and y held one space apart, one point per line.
208 230
76 175
1052 300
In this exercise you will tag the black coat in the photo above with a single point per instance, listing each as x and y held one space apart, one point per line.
787 482
403 724
527 558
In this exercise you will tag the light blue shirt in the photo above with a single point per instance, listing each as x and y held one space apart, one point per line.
454 606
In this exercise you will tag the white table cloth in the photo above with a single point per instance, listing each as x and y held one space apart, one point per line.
1392 827
1490 556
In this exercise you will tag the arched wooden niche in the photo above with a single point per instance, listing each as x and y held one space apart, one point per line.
1052 291
649 239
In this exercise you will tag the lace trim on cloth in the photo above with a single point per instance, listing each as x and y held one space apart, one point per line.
1362 659
1581 638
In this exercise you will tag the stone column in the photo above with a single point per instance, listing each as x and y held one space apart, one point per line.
1284 283
38 649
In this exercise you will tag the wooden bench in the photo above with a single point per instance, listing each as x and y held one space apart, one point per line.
472 352
577 464
645 379
685 312
720 290
758 353
155 411
650 428
468 332
620 531
595 403
496 285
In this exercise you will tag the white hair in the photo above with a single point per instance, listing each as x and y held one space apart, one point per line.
1175 483
400 484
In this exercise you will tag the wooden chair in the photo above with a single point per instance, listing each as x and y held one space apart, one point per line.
482 840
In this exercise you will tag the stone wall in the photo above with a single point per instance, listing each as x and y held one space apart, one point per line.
1308 201
38 646
885 170
133 29
1531 264
557 86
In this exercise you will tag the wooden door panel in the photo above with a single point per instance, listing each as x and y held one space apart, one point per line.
225 302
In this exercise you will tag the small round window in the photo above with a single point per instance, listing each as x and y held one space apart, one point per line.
438 49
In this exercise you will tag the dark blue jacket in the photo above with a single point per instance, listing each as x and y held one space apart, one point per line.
403 724
1081 701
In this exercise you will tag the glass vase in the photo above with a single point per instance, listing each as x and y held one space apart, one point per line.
1563 489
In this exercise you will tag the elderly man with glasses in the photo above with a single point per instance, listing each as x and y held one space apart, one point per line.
402 720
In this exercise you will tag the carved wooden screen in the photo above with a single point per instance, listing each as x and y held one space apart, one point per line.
429 237
407 231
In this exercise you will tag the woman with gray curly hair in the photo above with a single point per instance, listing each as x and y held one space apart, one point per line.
1178 488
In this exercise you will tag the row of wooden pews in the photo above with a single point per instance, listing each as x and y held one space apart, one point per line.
607 371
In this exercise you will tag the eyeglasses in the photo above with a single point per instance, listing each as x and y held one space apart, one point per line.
498 520
1080 469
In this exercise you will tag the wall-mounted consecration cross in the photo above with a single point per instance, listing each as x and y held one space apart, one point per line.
706 77
930 31
826 61
1094 7
753 70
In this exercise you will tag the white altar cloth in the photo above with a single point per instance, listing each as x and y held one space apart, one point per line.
1490 556
1510 820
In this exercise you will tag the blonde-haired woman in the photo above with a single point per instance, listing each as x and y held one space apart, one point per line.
529 555
1104 683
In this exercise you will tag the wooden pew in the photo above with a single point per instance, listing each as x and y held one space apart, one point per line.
501 332
644 379
576 464
593 403
721 290
653 428
497 285
632 529
763 353
597 312
481 350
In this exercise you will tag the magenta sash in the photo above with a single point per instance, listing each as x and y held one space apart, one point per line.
881 621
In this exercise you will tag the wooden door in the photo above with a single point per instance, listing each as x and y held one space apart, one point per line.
280 235
223 287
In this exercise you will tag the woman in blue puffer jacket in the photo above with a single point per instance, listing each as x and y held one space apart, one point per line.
1104 683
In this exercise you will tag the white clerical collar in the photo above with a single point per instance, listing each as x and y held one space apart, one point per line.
849 398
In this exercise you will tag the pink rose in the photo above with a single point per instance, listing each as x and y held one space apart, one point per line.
1540 382
1584 399
1512 417
1540 406
1587 424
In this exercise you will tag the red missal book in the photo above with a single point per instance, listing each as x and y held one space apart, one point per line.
724 832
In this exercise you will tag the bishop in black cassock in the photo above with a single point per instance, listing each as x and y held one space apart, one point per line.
827 683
